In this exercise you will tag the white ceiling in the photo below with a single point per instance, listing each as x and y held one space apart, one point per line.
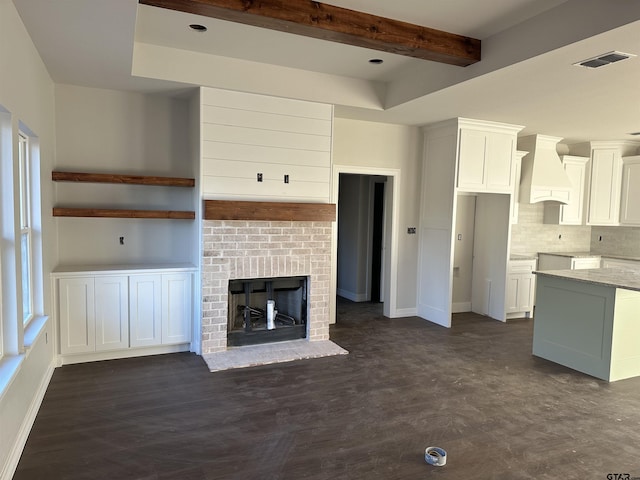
525 77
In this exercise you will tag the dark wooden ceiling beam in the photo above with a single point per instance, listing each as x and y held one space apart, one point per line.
327 22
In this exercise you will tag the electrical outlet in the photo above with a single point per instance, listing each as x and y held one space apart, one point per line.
259 177
121 240
411 230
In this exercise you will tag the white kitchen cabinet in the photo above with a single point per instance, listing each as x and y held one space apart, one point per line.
144 310
486 161
176 308
515 201
160 309
520 288
573 212
630 202
116 313
604 193
111 311
620 263
567 261
77 317
93 314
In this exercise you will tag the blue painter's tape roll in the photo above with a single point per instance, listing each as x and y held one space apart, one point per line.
435 456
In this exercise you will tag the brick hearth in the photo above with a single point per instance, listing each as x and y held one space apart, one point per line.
239 249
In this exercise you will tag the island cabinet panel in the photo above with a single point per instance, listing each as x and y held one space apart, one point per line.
588 321
256 147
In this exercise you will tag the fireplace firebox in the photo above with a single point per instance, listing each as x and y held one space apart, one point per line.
265 310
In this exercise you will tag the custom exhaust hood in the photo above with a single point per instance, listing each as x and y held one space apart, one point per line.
543 177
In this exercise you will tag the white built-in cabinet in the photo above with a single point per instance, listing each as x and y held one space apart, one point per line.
257 147
620 263
122 310
630 201
573 212
476 157
521 287
605 178
517 170
485 160
564 261
604 195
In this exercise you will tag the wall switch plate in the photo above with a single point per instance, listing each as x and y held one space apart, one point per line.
459 236
286 179
411 230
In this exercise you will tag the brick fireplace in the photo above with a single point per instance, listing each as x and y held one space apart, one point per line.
249 240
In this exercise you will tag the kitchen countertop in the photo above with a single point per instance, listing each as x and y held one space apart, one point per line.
523 256
629 279
619 257
573 254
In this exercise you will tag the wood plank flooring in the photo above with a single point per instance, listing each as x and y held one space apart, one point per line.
474 390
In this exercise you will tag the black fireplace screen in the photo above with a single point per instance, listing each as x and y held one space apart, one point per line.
266 310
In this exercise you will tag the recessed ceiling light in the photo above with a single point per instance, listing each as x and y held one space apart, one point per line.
603 59
197 27
376 61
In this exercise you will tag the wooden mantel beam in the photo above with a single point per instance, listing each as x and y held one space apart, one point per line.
327 22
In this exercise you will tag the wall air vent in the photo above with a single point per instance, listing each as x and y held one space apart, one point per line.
604 59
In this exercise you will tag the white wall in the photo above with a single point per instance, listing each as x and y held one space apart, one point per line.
26 93
378 145
110 131
463 253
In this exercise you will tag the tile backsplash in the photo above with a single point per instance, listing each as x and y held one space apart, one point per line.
531 235
624 241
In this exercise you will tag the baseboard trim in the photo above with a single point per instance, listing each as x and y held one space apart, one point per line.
404 312
354 297
460 307
27 424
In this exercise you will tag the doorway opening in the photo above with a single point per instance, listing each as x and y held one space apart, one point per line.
362 236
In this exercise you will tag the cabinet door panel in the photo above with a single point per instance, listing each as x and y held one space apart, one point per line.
499 162
77 315
176 308
513 282
112 320
471 165
604 196
572 213
145 310
525 293
630 208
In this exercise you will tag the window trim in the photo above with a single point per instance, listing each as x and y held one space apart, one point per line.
26 227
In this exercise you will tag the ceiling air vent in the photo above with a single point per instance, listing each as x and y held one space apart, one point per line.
604 59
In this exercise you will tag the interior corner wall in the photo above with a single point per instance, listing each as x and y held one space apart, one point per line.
26 93
369 144
108 131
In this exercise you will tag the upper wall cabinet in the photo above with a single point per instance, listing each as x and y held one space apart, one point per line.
605 183
486 157
630 203
257 147
573 212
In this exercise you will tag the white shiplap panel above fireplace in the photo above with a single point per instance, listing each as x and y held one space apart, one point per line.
285 142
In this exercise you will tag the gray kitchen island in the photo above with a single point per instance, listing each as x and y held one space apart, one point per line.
589 320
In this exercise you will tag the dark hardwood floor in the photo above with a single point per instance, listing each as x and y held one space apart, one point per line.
474 390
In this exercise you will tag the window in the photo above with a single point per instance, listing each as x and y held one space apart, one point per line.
26 233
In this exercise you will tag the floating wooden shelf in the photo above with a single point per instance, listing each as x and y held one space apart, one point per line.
125 213
123 179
